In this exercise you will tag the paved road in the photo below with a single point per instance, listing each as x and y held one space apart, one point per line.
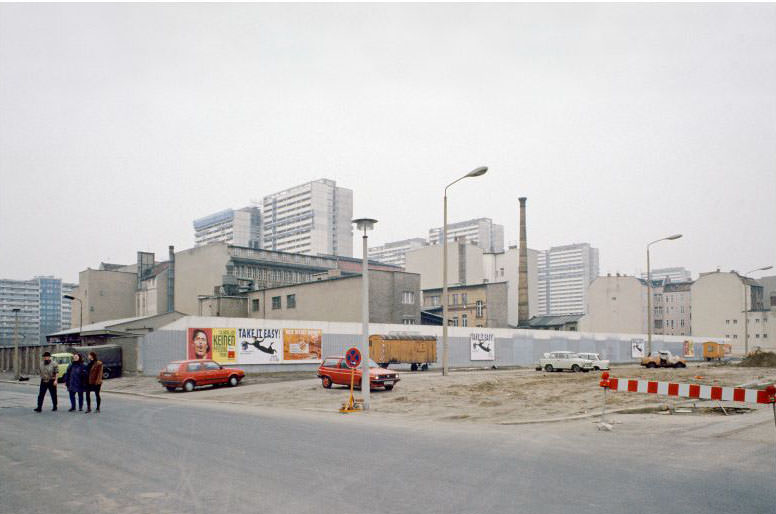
145 455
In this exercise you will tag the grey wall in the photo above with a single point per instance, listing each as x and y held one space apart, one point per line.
513 347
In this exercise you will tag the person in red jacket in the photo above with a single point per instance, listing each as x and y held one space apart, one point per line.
94 377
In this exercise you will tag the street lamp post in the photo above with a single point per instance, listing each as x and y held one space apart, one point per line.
80 315
746 309
474 173
649 292
16 372
365 224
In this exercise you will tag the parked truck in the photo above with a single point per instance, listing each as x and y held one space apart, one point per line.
663 359
109 354
415 350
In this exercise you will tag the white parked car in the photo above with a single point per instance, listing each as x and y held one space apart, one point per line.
558 361
598 363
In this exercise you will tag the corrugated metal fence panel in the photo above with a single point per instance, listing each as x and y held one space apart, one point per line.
512 348
160 347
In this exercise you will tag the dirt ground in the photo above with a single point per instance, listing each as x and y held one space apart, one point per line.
495 396
480 396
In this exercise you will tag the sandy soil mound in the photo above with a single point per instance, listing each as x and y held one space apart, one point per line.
760 359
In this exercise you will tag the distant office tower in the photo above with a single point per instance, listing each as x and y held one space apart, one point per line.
481 232
312 218
42 310
240 227
672 274
565 272
395 253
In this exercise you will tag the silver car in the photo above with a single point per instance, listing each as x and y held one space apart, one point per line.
558 361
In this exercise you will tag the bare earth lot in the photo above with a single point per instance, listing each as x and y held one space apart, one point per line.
482 396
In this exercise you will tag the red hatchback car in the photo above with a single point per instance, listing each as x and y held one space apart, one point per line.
334 370
193 373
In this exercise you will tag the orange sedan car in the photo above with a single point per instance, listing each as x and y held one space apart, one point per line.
193 373
334 370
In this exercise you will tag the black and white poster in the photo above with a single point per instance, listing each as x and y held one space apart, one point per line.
482 346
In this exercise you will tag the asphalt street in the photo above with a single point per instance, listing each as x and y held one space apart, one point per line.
146 455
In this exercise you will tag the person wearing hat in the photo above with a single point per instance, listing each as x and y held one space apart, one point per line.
49 372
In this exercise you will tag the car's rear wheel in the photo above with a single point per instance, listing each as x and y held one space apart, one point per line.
326 382
575 368
651 365
233 381
596 368
548 368
424 367
388 387
170 388
188 386
414 367
680 365
105 373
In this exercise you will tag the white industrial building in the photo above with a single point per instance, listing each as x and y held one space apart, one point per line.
676 274
396 252
564 274
241 227
481 232
313 218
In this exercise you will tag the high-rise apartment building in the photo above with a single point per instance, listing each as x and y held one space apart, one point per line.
396 252
42 310
241 227
480 232
313 218
565 272
677 274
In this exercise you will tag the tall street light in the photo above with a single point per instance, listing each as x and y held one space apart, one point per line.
746 309
473 173
649 292
80 315
365 224
16 343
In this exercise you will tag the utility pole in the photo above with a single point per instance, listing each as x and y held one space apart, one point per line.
16 344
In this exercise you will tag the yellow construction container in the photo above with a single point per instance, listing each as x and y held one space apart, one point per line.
417 351
712 350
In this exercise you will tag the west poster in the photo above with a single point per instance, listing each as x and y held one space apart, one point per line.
302 345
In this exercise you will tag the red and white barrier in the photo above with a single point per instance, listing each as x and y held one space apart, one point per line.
703 392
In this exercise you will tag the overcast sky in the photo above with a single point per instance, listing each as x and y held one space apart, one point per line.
120 124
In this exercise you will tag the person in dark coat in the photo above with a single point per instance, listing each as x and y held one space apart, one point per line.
94 377
76 379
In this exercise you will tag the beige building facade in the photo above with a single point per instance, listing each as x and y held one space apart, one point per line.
476 305
394 297
470 265
725 304
106 293
616 304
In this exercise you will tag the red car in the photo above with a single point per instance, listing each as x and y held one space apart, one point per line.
193 373
334 370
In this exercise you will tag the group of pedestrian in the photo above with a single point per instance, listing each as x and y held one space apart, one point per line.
79 378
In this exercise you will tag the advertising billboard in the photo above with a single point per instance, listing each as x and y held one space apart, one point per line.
199 343
482 346
301 344
224 344
259 346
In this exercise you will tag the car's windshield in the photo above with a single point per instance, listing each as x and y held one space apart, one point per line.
172 367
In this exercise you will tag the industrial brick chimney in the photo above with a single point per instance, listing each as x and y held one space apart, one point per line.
522 270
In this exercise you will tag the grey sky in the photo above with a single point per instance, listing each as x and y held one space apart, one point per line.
623 123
